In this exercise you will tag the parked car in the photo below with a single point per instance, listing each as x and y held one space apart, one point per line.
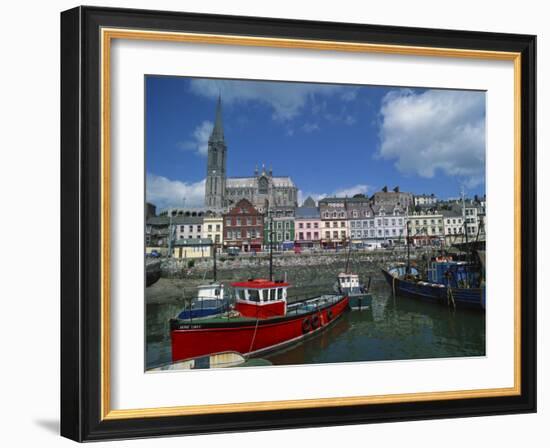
233 251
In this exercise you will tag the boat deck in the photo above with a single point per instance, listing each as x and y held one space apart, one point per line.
293 309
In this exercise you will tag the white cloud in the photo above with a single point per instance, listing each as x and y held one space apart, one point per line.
343 192
199 140
286 99
164 192
351 191
435 130
310 127
350 94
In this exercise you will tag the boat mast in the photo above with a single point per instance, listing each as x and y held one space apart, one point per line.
215 273
408 247
348 257
464 217
270 235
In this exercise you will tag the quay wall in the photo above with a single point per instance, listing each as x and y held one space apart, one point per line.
308 273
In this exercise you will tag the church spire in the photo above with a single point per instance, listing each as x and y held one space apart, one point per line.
217 132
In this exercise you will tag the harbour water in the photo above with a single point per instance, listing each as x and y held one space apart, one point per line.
393 328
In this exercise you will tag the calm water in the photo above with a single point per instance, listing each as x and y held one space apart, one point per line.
393 328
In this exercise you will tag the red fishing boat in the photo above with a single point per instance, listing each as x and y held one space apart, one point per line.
260 321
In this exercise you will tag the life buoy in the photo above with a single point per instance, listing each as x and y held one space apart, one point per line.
315 321
329 314
306 325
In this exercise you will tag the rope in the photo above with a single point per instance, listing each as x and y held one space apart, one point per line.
450 297
254 336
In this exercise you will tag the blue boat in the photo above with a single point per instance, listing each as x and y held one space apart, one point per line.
210 301
457 284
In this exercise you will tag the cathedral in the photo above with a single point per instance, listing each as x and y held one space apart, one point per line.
263 189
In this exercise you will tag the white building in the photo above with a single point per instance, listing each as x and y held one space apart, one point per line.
425 199
426 228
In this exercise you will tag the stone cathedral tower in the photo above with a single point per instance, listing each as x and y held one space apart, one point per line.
215 171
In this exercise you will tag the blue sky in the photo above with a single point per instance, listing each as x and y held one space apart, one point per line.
331 139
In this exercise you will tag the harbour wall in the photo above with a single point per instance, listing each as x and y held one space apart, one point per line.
309 273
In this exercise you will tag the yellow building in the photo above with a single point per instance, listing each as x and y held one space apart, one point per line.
212 228
192 248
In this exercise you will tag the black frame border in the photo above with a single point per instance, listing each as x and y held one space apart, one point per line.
81 223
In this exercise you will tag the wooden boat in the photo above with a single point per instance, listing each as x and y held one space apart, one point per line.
457 284
261 321
359 297
210 301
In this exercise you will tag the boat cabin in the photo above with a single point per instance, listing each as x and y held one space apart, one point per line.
456 274
260 298
348 281
209 292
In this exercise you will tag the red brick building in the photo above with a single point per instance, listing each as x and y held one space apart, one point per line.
243 227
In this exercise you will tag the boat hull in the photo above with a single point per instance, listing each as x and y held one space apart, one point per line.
250 337
473 298
360 301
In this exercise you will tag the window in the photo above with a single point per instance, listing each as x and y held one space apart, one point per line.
316 235
248 221
238 234
209 227
308 235
315 225
238 223
308 225
343 234
342 224
301 225
218 227
301 236
182 228
327 224
327 235
190 228
227 221
327 215
253 295
217 238
335 234
355 214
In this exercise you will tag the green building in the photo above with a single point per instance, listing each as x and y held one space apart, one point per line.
280 224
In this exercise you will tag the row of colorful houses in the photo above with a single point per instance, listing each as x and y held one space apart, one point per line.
330 224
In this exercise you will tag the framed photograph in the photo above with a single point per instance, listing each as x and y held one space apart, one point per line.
277 224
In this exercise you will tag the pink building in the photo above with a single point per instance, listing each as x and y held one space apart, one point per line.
307 225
